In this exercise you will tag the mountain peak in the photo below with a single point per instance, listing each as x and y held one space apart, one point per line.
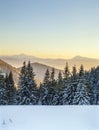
83 58
80 58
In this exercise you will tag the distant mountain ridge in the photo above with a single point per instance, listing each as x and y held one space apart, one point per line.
39 70
17 60
6 68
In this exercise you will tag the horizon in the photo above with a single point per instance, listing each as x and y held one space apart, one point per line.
50 29
64 58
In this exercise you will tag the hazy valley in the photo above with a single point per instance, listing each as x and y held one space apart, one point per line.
17 60
40 65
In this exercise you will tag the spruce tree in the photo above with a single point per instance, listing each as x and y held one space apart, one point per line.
48 94
81 71
81 95
66 95
60 82
3 92
47 77
44 89
66 72
52 96
27 92
10 88
22 90
32 84
93 77
23 76
74 73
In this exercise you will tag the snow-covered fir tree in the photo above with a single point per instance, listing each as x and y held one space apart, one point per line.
43 90
3 92
66 93
81 71
52 96
27 93
74 75
81 95
10 89
48 94
31 84
66 72
93 77
22 90
60 82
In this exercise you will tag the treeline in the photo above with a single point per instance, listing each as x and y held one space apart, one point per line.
70 88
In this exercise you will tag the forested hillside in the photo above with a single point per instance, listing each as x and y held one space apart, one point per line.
70 88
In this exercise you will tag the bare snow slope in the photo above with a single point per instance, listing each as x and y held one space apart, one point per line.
49 118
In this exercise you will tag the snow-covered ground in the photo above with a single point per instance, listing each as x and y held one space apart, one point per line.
49 118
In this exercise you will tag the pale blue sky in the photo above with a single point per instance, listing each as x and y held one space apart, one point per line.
50 28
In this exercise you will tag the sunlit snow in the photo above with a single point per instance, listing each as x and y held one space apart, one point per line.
49 118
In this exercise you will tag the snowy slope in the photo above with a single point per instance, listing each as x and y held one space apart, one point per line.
49 118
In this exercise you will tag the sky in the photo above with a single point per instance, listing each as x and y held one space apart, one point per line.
49 28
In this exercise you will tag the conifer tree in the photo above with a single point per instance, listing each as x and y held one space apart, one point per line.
48 94
66 95
23 76
52 96
74 73
81 95
93 77
3 93
81 71
10 89
22 93
60 82
31 84
66 72
44 89
27 91
47 77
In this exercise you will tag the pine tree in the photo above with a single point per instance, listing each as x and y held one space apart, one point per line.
23 76
60 82
52 78
81 71
93 77
74 73
67 94
32 84
81 95
66 72
22 90
47 77
43 90
48 95
10 88
27 93
3 94
52 96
